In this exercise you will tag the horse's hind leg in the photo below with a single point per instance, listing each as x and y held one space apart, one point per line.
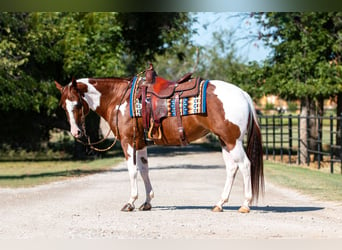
231 169
245 169
235 159
142 162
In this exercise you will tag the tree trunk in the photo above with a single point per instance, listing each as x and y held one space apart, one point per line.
316 130
309 125
304 112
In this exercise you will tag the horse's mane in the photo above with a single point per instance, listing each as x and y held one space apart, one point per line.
111 78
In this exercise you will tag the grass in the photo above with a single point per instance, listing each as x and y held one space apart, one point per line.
15 174
320 185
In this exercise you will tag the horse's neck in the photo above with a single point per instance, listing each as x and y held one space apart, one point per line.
109 98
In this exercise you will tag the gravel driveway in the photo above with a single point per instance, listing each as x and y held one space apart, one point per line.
187 182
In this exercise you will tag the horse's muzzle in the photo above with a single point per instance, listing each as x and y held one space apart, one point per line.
76 132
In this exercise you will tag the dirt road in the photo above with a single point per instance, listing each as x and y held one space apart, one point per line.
187 183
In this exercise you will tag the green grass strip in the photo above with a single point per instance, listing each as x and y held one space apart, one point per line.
323 186
27 174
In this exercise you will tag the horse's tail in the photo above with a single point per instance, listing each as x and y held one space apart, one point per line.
254 152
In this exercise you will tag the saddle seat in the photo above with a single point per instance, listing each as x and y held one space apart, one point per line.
164 89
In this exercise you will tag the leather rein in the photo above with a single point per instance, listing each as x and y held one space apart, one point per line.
91 144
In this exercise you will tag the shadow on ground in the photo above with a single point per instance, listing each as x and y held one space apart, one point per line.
263 209
177 150
66 173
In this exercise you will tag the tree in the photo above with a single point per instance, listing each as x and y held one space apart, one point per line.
304 45
217 60
146 35
220 60
38 48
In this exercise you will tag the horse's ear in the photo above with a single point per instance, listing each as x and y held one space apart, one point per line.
74 83
58 86
79 86
82 88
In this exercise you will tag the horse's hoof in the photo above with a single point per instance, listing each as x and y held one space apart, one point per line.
217 209
145 207
244 210
128 208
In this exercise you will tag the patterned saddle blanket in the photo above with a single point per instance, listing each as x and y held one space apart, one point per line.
192 97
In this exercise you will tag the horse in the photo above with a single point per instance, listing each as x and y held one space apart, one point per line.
230 114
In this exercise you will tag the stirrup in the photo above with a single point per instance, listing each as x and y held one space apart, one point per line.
146 137
150 136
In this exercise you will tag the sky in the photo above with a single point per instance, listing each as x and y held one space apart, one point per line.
209 22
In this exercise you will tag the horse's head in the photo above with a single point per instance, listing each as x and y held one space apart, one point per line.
75 106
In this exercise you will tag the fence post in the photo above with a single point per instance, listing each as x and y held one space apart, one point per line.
290 136
281 137
331 145
319 141
298 152
307 140
273 135
340 141
266 151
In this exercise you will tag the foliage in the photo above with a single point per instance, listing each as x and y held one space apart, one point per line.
220 60
149 34
37 48
306 61
176 62
305 49
217 60
83 44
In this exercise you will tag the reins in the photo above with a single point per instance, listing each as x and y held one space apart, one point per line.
91 144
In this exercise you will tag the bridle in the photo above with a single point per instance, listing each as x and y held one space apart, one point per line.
91 144
84 132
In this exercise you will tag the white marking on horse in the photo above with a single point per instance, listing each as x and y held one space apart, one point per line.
142 166
70 105
132 171
122 108
92 96
231 96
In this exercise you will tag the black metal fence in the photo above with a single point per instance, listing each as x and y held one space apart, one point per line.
283 140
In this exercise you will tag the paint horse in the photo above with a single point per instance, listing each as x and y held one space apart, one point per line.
229 115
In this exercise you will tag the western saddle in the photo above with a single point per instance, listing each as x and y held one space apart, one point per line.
154 92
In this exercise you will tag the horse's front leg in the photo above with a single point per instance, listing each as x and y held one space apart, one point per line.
142 162
133 172
142 166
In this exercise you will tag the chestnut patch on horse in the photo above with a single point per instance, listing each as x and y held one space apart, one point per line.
227 131
232 136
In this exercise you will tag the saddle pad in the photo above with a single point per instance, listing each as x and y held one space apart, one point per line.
187 106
